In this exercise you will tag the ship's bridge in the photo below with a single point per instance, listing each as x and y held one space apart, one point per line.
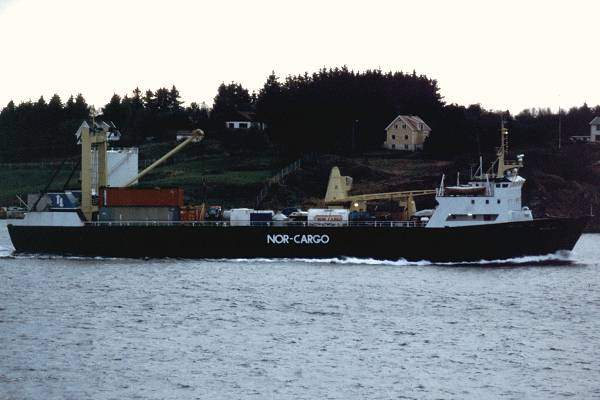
476 202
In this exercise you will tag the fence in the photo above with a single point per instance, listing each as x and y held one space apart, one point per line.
277 179
37 165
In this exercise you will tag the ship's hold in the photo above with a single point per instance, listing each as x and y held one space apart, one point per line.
141 197
160 214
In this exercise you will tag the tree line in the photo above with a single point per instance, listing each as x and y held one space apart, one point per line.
332 110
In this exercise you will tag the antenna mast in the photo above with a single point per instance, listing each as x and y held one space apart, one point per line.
559 128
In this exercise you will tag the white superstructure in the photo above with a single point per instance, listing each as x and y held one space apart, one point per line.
490 198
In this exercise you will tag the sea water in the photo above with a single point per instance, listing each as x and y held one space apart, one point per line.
74 328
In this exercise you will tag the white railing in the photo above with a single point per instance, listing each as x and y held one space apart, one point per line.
226 224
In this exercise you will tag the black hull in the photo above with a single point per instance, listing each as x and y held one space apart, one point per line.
484 242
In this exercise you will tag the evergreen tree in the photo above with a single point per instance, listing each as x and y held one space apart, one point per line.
229 99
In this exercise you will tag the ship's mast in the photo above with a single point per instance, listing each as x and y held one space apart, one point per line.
502 150
504 165
92 138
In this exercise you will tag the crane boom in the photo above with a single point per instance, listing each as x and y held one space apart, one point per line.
381 196
196 134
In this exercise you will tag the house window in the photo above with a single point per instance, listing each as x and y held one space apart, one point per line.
393 146
406 146
498 201
230 125
393 137
396 126
487 202
421 126
472 201
406 137
243 125
403 126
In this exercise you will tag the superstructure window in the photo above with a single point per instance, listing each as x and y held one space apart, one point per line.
471 217
487 202
472 201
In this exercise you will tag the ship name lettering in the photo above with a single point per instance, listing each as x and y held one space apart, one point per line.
297 239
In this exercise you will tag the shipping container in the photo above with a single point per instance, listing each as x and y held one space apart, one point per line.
240 216
261 217
133 214
318 216
141 197
192 214
360 216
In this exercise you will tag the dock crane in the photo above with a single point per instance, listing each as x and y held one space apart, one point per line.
339 186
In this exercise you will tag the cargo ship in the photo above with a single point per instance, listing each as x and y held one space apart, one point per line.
482 219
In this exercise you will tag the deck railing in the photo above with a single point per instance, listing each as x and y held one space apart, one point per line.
284 224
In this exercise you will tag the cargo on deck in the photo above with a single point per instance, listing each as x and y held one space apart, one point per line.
141 197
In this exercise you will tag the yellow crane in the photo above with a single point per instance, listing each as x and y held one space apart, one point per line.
96 137
339 186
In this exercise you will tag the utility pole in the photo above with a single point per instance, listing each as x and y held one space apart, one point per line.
559 128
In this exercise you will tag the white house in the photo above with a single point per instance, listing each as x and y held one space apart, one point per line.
594 136
595 130
244 120
406 132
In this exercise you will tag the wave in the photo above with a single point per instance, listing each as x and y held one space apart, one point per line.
560 257
6 252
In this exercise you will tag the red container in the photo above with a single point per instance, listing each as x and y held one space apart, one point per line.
141 197
191 214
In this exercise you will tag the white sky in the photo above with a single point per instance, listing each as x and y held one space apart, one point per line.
503 54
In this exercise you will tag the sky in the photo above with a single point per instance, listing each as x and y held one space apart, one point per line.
502 54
